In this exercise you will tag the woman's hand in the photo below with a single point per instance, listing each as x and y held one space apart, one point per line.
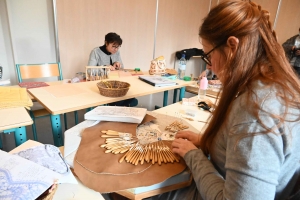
182 146
117 65
112 68
190 136
203 74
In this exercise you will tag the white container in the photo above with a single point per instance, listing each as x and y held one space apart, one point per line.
202 88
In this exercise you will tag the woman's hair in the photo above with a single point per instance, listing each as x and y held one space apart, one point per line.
113 38
258 57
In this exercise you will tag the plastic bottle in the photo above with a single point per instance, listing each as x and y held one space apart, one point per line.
202 88
182 67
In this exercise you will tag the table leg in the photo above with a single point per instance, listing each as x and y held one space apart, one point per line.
165 103
76 117
1 146
20 134
175 96
65 121
56 130
89 109
181 94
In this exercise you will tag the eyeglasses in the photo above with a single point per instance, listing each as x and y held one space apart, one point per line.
116 47
206 58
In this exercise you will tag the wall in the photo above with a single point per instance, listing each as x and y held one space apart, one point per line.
6 55
288 22
81 27
27 30
31 30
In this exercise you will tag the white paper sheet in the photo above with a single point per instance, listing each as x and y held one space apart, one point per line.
116 114
65 178
23 179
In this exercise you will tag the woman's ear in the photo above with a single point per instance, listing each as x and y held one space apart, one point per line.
233 43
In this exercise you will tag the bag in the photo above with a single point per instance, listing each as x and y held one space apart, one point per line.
158 66
189 53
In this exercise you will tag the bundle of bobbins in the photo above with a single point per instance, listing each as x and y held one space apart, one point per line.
176 126
135 152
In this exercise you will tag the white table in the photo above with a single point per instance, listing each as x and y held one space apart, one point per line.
198 117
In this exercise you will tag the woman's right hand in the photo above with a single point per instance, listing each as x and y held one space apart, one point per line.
112 68
190 136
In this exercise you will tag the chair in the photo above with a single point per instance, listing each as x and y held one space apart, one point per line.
41 71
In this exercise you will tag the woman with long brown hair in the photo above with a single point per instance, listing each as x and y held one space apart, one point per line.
251 147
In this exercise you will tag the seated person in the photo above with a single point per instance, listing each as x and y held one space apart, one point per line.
292 50
108 55
211 77
250 147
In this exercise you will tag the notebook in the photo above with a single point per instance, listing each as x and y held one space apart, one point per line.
157 81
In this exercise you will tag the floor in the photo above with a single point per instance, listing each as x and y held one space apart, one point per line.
44 131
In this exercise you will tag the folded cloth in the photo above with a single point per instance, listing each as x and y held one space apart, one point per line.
29 85
14 97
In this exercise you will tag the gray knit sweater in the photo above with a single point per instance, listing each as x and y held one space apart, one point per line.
99 58
257 167
262 167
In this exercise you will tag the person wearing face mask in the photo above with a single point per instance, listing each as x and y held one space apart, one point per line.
292 50
250 147
109 55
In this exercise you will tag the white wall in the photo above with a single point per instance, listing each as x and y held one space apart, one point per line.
6 55
27 36
32 32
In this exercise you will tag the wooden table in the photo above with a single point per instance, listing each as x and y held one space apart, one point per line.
63 98
15 120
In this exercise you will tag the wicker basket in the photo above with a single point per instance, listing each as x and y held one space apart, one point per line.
113 88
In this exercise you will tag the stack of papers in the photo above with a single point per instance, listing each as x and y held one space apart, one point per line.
32 168
116 114
14 97
23 179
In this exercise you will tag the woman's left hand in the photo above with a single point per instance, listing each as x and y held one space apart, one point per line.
182 146
117 65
